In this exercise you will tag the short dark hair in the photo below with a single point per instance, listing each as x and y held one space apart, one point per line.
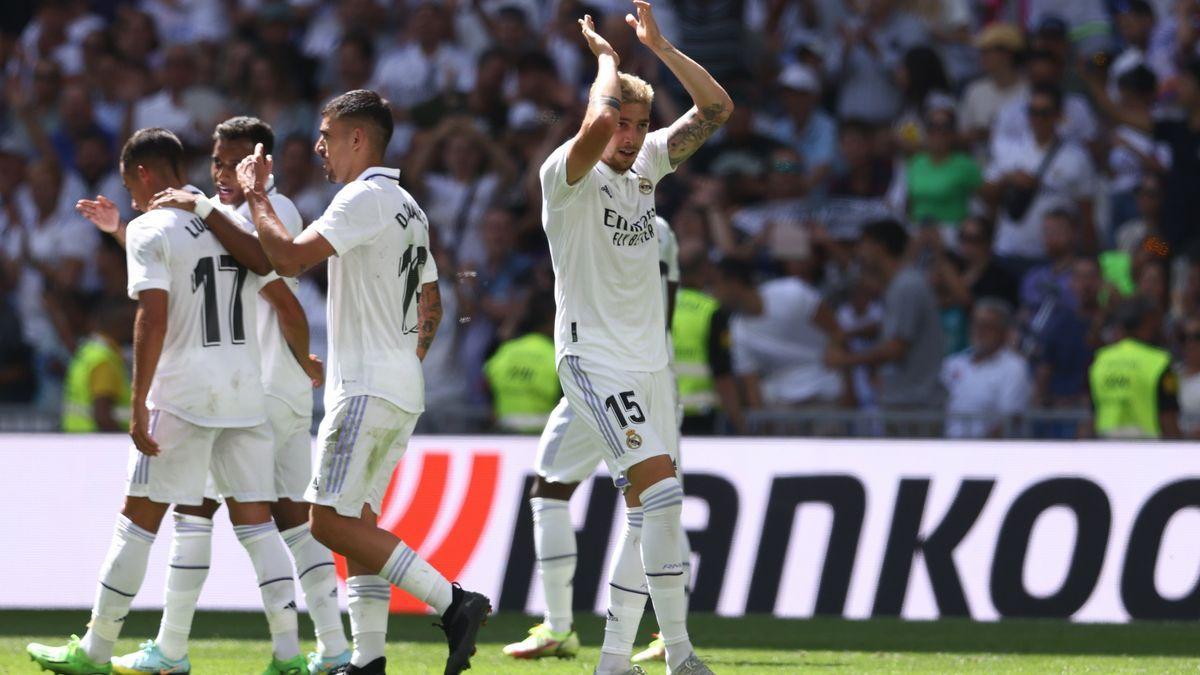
364 105
153 144
243 128
360 41
1050 91
888 233
1132 312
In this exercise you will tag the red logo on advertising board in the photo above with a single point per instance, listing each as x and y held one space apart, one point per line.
415 521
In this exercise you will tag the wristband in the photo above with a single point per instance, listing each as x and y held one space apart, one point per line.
203 207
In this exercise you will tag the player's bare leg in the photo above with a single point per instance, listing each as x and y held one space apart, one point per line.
554 546
382 554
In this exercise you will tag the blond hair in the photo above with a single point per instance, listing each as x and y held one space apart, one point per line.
635 90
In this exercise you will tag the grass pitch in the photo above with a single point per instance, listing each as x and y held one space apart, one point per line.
232 643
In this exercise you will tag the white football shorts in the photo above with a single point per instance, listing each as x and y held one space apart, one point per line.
361 440
241 461
630 417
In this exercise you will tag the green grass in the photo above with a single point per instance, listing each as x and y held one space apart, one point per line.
233 643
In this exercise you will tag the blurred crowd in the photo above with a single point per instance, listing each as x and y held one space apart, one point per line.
1041 156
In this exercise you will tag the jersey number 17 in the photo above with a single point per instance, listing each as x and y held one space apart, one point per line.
205 275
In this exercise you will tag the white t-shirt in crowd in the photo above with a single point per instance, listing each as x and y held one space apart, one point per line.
381 238
997 385
1068 179
784 347
1012 122
983 100
209 373
605 254
283 377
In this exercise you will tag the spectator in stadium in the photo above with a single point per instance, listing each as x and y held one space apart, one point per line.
354 66
487 101
779 332
426 63
1051 282
1033 175
521 374
1146 228
861 319
457 173
909 353
1188 372
1000 46
782 205
804 126
982 275
940 180
739 155
273 97
96 168
864 173
96 390
296 174
1075 121
1181 209
924 86
872 45
700 331
1066 338
1134 389
1135 24
17 378
988 385
182 105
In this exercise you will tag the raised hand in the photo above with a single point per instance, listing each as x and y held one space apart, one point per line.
646 27
254 170
174 198
597 44
102 212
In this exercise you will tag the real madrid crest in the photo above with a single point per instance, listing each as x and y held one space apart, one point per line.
632 439
645 186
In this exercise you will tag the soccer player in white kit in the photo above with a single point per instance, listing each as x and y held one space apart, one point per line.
289 375
384 310
568 453
598 213
197 404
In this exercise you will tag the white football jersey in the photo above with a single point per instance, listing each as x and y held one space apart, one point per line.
283 377
381 238
668 270
605 253
209 372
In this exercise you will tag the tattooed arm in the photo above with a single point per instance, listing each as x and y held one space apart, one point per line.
429 315
711 103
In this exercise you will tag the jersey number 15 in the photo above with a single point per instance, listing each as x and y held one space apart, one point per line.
205 275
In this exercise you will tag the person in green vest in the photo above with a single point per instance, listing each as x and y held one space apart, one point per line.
703 367
521 373
96 389
1134 389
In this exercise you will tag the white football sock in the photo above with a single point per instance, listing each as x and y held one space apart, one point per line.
626 598
369 598
191 555
554 545
318 580
274 572
120 579
662 504
409 571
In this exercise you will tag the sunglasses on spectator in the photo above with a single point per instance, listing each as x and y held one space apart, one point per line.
786 167
1039 111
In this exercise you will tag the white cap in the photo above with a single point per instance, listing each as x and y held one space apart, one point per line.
800 78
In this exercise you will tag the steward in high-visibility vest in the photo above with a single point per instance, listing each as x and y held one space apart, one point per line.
700 333
524 382
96 375
1134 389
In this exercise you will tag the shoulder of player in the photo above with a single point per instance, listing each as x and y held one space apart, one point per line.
156 220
